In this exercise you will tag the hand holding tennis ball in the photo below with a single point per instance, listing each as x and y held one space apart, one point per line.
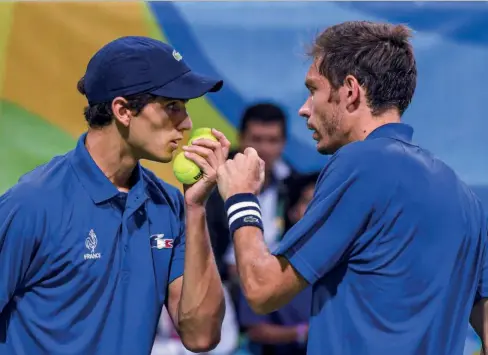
185 170
196 167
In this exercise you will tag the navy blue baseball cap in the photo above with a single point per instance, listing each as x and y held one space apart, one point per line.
135 65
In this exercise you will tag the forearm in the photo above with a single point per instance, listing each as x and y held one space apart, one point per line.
201 307
273 334
264 277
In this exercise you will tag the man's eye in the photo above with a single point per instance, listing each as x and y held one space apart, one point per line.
173 106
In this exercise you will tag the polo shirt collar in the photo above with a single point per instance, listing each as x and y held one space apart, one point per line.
98 186
398 131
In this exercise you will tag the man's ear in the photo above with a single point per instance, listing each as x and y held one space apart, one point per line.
120 111
352 92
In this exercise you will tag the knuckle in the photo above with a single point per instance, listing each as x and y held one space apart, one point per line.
204 153
212 144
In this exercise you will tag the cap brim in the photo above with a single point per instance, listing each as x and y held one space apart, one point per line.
189 86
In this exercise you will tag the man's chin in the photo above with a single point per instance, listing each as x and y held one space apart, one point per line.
159 159
326 149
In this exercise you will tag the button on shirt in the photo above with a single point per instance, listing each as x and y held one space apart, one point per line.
84 267
395 246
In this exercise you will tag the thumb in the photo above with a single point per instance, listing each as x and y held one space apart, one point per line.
249 151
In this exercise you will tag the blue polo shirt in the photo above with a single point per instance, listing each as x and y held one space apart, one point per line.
395 246
84 268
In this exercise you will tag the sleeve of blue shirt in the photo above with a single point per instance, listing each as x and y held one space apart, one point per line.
336 217
22 226
178 260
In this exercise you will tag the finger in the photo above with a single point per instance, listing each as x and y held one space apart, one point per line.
251 152
224 142
201 163
205 153
239 157
215 146
205 142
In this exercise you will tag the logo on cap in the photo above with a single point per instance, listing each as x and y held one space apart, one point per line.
177 55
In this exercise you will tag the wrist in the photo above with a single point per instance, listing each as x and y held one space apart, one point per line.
243 209
195 208
230 194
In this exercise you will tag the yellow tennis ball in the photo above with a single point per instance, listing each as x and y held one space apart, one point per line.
202 133
186 171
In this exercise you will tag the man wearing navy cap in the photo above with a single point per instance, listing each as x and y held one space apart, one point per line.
393 242
92 245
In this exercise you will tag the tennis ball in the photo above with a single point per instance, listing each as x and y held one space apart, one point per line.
202 133
186 171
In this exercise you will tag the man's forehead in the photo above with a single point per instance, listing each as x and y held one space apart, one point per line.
313 74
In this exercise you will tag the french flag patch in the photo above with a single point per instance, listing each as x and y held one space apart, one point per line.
159 242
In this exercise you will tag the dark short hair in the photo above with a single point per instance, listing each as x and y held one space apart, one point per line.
100 115
263 112
378 55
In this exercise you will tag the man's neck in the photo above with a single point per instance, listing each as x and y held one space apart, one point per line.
112 156
370 123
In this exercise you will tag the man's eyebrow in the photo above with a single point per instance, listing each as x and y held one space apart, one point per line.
165 100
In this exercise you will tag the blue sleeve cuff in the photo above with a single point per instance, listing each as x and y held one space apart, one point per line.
177 269
299 264
480 294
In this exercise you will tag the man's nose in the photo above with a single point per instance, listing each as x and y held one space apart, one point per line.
186 124
305 110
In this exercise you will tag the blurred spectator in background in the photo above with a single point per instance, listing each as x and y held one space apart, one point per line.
263 127
167 341
300 192
285 331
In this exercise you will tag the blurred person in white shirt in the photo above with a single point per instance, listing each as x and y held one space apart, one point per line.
167 341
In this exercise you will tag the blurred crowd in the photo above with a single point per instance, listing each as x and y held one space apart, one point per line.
284 199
